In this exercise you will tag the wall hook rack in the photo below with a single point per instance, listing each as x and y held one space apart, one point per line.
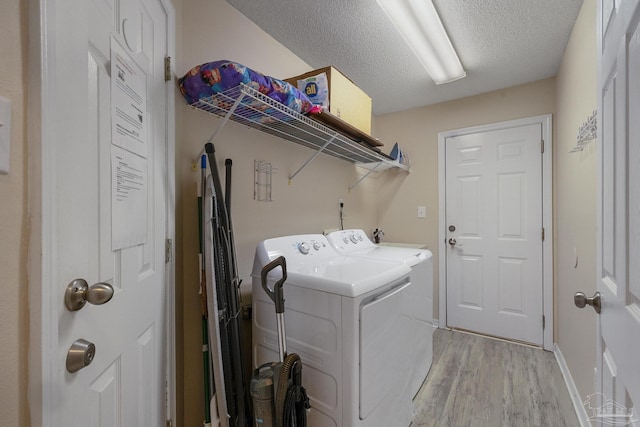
262 180
587 132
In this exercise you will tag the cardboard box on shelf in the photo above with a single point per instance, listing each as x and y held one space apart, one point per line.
346 100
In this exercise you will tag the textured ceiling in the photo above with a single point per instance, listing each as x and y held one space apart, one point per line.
501 43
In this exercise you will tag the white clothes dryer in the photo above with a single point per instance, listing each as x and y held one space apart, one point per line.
419 297
346 320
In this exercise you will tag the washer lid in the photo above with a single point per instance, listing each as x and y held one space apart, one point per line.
313 263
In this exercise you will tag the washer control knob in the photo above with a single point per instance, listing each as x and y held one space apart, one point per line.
345 239
360 237
316 246
304 248
353 238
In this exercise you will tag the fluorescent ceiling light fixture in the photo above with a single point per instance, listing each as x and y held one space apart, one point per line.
420 26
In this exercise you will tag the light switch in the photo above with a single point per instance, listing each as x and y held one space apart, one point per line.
5 135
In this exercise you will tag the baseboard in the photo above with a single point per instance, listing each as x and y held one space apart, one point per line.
581 412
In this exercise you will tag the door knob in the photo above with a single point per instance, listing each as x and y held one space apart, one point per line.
453 242
581 300
78 293
80 354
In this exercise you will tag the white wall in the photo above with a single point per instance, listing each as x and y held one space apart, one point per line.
575 201
14 318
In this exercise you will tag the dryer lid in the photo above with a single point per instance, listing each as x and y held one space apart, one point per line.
356 243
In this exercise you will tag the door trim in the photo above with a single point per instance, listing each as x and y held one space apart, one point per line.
547 216
170 266
42 282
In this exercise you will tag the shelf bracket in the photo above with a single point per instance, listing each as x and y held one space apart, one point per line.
320 150
196 161
364 176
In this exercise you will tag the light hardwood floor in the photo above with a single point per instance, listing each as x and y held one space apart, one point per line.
479 381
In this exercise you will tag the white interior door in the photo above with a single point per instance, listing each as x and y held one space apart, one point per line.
493 216
618 269
125 385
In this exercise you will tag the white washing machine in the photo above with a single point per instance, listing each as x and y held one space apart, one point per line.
419 296
346 319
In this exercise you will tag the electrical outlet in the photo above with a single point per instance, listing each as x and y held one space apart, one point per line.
247 312
422 211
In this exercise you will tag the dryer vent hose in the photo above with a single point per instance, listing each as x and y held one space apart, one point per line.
291 401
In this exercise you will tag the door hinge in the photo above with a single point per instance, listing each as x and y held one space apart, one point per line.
542 146
167 68
168 250
543 322
543 234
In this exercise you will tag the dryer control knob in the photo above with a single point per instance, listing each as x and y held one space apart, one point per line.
360 237
353 238
345 239
304 248
316 246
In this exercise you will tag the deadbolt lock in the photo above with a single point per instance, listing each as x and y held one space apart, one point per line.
80 354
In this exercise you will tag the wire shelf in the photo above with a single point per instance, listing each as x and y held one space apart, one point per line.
245 105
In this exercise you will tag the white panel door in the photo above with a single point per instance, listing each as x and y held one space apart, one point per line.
494 231
125 383
618 364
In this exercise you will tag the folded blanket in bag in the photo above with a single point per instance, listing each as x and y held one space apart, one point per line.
204 81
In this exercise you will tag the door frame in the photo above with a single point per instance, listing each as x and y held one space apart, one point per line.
43 291
547 216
